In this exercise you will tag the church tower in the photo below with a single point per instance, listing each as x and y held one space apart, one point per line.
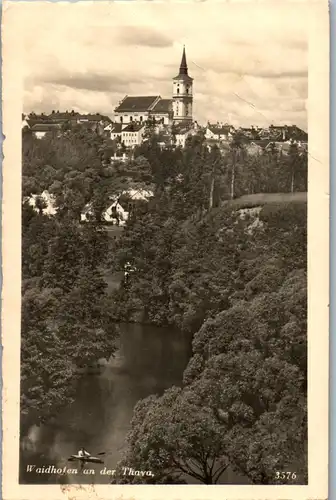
183 94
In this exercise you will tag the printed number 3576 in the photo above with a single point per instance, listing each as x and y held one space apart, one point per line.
285 475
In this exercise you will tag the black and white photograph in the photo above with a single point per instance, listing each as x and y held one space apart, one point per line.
165 267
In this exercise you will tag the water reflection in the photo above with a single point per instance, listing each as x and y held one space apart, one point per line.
149 361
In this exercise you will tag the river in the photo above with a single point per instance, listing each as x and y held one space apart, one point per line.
149 360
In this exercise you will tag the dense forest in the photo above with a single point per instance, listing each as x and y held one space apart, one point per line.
232 274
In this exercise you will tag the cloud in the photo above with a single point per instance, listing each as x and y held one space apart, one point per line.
142 36
87 56
92 82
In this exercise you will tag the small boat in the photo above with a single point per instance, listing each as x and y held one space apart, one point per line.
84 457
89 459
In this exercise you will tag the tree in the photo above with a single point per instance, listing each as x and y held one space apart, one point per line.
174 438
238 280
66 319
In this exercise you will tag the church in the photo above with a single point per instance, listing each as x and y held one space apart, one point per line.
177 110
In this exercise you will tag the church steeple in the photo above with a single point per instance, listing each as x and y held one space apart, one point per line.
182 93
183 66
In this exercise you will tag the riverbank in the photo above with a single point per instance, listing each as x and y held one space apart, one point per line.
147 362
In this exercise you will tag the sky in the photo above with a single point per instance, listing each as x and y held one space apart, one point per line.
249 60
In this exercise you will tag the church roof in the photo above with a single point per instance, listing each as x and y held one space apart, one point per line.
162 106
137 103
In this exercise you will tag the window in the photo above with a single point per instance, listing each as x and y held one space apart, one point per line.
131 118
121 119
178 90
141 118
187 89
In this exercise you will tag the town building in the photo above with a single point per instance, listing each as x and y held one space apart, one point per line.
182 132
40 130
41 124
132 134
219 132
177 109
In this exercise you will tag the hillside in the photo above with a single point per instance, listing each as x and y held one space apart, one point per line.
237 280
232 274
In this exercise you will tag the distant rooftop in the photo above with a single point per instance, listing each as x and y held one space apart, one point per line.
133 127
46 127
219 129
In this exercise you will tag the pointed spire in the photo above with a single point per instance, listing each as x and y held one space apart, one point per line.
183 66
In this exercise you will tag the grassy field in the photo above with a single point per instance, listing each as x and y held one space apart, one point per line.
262 198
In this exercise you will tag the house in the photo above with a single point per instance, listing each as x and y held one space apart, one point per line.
119 158
115 131
140 194
251 133
132 134
165 140
282 133
95 122
113 213
255 148
47 199
284 146
218 132
181 135
41 129
108 129
24 121
61 117
116 213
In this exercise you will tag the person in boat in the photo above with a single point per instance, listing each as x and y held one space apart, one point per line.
83 453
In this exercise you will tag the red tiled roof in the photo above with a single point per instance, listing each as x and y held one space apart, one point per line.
136 103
